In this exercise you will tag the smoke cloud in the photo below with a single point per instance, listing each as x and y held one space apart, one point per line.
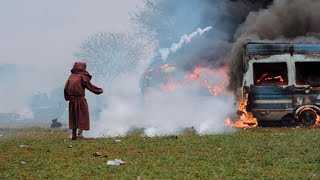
171 113
284 20
167 113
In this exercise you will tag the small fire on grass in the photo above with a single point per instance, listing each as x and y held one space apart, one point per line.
245 119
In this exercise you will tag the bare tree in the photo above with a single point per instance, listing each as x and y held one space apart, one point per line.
111 54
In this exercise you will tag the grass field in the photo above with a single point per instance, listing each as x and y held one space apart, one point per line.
263 153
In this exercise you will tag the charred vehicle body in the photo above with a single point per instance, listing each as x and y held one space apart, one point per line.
281 81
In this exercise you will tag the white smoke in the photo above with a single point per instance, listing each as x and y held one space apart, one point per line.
167 113
185 39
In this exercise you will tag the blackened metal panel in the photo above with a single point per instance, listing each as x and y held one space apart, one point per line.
281 48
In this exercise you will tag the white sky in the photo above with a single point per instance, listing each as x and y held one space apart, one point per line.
41 37
48 32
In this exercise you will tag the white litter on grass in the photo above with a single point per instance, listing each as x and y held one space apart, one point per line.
96 154
1 135
116 162
23 146
117 140
23 162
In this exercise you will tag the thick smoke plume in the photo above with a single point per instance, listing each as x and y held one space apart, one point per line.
166 22
284 20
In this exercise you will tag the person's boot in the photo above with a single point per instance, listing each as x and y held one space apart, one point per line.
79 135
74 134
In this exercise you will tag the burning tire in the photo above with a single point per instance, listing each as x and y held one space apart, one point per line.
308 117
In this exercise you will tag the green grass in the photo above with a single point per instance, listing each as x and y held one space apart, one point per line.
263 153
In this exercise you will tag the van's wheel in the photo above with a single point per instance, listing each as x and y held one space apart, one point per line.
307 117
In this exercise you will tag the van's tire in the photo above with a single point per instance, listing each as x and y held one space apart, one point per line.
307 117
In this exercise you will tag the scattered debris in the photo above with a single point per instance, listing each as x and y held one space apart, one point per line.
116 162
23 162
219 149
170 137
70 146
138 178
65 140
23 146
117 140
99 154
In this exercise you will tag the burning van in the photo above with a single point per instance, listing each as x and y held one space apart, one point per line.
281 81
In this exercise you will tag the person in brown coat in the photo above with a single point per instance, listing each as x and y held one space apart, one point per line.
74 92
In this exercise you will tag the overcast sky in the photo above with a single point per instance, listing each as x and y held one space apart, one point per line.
41 37
48 32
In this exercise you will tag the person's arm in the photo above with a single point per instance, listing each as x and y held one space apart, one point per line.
87 84
66 94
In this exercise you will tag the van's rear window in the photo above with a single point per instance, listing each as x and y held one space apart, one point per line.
308 73
270 74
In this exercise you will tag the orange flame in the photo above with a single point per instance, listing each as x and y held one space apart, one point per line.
245 120
317 121
201 76
228 122
262 78
171 85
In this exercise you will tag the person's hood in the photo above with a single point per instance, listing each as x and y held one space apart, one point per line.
80 68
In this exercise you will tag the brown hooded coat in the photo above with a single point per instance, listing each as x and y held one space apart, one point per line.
74 92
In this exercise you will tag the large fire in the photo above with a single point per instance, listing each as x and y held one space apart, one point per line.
245 119
214 80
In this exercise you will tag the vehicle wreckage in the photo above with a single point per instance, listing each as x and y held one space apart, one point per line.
280 82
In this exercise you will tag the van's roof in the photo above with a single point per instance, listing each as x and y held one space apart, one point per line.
269 48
